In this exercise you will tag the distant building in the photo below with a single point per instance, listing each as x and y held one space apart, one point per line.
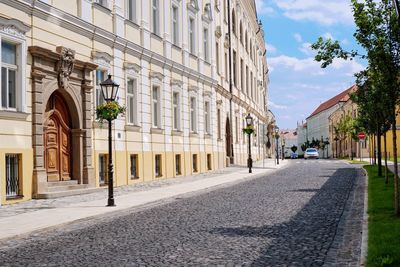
288 140
318 121
301 136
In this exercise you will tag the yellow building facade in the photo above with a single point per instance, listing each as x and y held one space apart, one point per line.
172 59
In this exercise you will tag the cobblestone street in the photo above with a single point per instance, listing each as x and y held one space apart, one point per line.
308 214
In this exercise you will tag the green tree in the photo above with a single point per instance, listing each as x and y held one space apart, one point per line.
377 31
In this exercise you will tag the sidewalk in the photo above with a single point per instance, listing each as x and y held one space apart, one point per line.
33 215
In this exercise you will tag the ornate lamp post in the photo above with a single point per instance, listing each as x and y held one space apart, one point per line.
277 144
249 130
109 90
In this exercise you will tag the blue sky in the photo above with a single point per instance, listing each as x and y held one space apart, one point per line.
297 83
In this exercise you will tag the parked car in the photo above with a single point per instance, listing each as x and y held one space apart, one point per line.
311 153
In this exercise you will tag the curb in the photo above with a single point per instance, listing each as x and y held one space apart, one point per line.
364 237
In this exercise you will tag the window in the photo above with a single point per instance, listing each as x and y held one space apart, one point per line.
13 176
191 36
233 22
241 32
156 107
175 25
131 99
100 77
103 173
226 67
205 45
251 50
176 110
209 162
193 115
9 70
242 75
246 42
134 167
102 2
247 80
131 8
251 87
234 68
207 119
219 123
158 171
217 56
178 168
195 164
155 16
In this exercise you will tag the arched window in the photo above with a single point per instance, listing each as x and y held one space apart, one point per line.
241 32
233 21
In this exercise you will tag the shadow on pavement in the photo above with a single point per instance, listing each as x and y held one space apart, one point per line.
307 237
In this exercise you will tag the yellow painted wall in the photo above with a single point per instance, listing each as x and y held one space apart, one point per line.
26 160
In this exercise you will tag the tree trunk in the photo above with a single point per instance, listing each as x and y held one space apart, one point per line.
373 149
396 174
379 150
385 154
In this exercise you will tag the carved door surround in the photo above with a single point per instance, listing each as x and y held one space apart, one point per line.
57 74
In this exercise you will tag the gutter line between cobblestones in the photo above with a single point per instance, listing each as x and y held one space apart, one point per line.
364 238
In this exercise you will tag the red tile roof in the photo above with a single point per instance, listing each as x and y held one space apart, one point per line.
342 97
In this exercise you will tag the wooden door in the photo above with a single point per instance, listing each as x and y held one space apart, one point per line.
57 141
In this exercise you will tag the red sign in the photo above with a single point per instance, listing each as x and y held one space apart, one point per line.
361 135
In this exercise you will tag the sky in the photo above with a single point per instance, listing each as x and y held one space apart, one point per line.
298 85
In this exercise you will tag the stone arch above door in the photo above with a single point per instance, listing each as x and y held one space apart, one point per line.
59 72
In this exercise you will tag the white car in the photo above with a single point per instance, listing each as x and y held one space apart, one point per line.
311 153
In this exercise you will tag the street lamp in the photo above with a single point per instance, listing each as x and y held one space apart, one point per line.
327 147
277 144
336 139
109 90
249 130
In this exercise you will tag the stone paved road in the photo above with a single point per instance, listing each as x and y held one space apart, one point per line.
288 218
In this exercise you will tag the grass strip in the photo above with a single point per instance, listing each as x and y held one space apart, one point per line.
383 225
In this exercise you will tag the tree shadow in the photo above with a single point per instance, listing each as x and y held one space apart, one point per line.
305 239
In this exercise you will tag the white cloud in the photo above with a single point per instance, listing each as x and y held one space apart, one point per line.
276 106
306 49
297 37
326 12
270 48
328 35
263 8
309 66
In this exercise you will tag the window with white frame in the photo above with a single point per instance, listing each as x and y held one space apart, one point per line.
242 74
205 45
131 10
9 73
156 107
101 2
207 119
219 123
176 110
192 39
234 68
132 100
217 56
193 115
175 25
100 77
226 67
156 16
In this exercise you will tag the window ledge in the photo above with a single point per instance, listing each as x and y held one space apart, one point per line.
13 115
177 133
192 55
132 128
102 8
207 63
15 197
156 131
176 46
193 134
156 36
132 23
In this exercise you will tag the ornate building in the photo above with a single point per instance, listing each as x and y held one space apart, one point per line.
189 73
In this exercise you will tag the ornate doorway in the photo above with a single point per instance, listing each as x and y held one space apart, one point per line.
57 139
